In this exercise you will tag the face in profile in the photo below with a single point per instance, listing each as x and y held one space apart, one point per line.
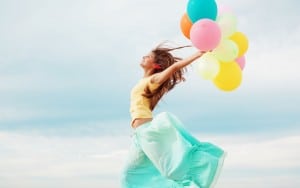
148 61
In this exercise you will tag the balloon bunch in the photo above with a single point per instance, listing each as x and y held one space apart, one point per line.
214 28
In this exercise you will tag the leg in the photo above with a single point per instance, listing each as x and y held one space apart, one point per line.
177 154
139 171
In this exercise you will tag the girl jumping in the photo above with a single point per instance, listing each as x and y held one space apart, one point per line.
163 154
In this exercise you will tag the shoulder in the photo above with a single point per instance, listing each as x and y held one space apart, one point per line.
155 79
153 82
161 77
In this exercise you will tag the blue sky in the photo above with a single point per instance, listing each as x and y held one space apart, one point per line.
67 67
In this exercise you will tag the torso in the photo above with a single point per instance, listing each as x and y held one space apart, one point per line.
140 105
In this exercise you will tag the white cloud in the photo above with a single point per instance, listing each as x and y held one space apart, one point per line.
253 153
114 35
62 48
31 156
36 160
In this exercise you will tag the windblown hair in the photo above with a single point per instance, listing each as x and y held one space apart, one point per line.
164 59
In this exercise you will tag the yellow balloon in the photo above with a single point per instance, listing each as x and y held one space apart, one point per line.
229 76
242 42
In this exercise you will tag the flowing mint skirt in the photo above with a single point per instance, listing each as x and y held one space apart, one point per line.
164 155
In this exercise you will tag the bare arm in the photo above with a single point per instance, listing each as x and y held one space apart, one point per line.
164 75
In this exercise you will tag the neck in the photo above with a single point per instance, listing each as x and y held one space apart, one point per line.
147 73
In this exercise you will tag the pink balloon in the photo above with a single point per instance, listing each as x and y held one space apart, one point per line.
205 34
241 61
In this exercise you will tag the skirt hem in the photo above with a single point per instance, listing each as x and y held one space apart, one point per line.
219 169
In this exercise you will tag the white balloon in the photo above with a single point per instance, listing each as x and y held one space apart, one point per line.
226 51
227 23
208 66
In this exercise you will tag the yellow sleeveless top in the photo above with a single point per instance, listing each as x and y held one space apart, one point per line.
140 105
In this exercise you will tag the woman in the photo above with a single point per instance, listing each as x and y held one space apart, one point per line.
163 154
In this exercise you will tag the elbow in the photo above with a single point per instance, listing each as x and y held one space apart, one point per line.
177 67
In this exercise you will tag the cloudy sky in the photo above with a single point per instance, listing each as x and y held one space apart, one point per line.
67 67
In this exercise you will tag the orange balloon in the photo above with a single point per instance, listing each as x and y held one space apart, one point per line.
185 25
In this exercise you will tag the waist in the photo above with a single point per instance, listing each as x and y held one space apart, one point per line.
140 114
140 121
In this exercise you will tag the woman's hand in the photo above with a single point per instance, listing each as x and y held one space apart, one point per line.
201 53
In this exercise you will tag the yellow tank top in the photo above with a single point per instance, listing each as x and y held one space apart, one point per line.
140 105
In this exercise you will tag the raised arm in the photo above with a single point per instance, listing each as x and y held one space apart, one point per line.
164 75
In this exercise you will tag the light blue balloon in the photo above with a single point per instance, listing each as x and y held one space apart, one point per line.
199 9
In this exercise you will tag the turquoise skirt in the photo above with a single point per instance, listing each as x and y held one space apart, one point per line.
164 155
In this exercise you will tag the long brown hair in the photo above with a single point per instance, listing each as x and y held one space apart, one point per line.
164 59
